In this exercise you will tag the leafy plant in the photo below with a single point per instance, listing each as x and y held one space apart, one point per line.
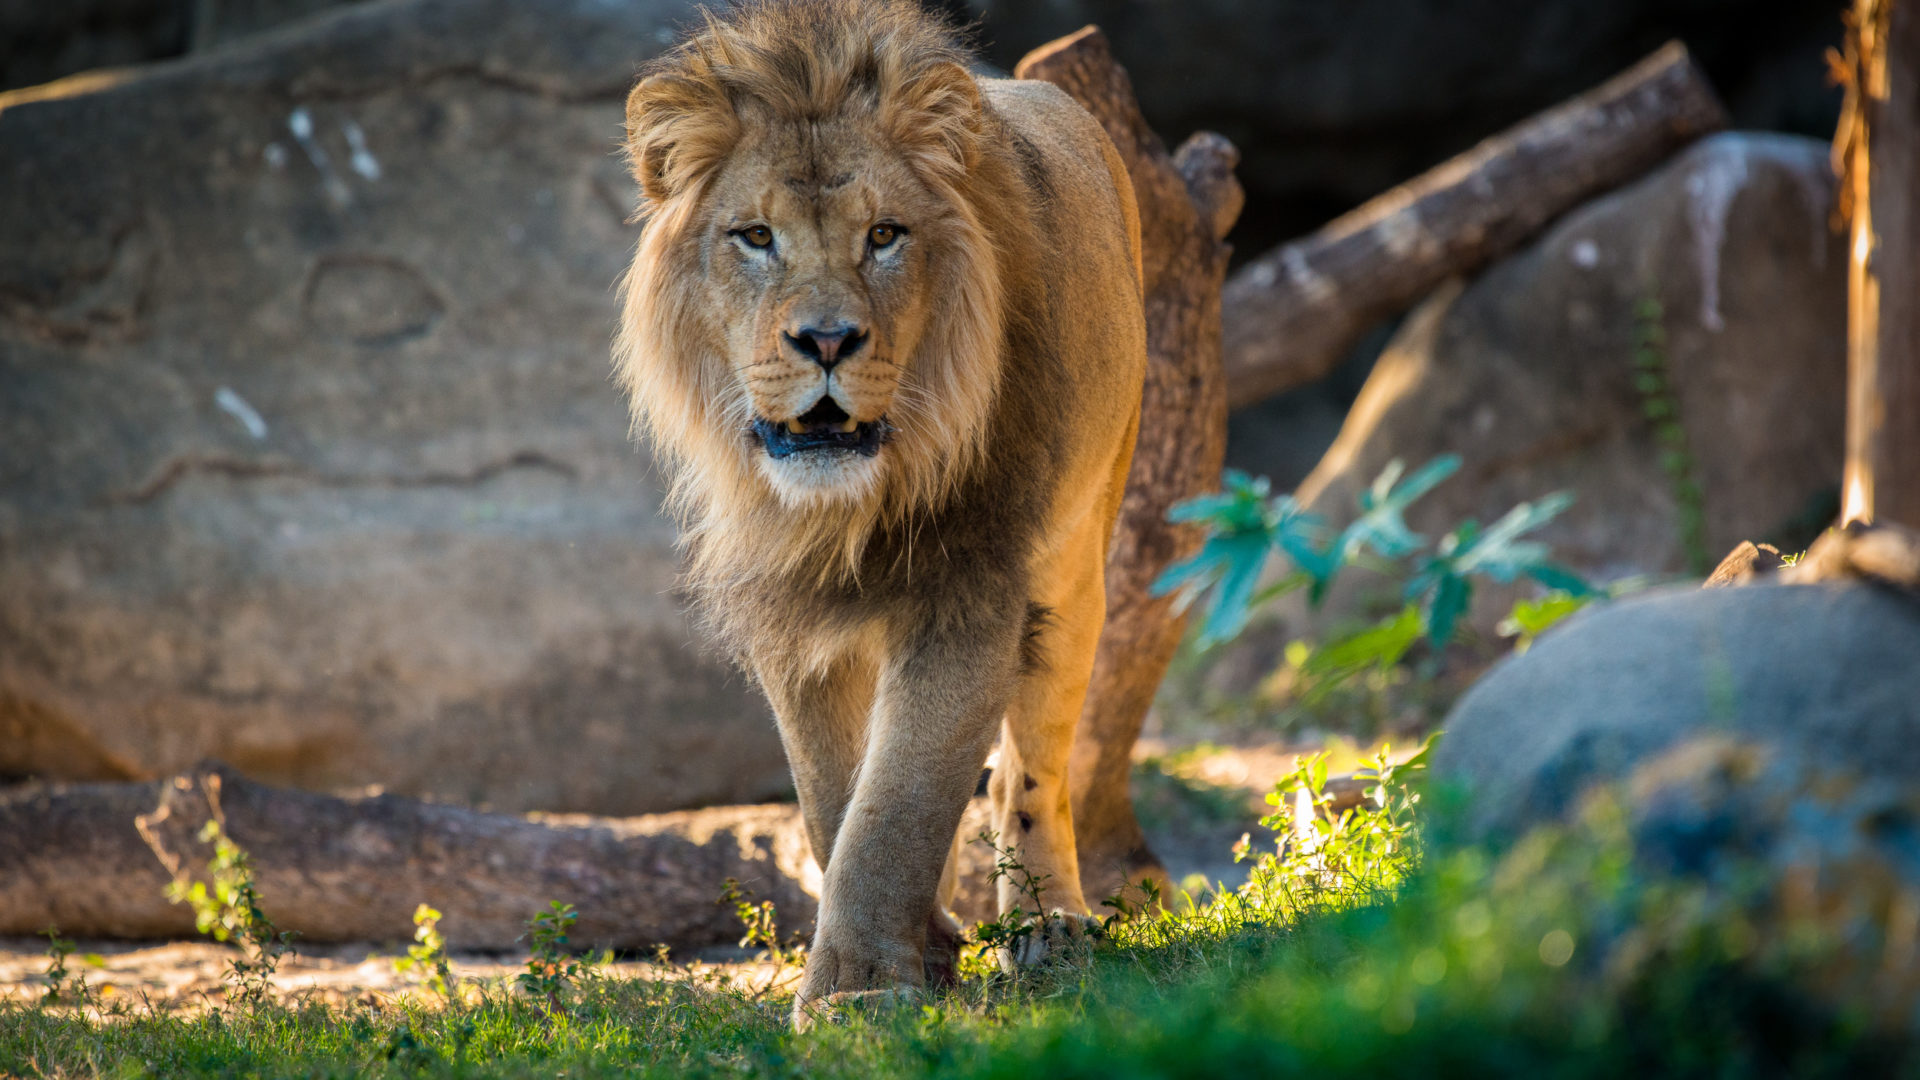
1246 526
1002 937
63 986
761 925
1321 860
428 954
226 905
1531 618
551 968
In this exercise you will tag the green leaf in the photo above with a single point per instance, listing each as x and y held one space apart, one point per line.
1378 647
1450 599
1560 579
1530 618
1382 525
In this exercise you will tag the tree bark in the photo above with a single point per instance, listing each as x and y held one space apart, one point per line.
1879 150
1294 313
1187 203
354 869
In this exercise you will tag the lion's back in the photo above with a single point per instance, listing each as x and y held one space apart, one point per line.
1086 184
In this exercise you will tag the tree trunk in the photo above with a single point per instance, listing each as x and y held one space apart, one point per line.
1294 313
1187 203
354 869
1879 149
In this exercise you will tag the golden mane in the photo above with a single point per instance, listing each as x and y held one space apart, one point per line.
898 70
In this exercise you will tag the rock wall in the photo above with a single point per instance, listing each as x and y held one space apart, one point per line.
309 457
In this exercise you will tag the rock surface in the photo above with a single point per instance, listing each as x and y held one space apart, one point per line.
308 456
1816 675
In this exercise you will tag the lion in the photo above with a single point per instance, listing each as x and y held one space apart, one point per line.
884 331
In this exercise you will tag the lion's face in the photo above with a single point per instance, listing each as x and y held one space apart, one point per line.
813 318
817 242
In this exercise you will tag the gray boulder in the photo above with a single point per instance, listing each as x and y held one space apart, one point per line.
309 458
1819 677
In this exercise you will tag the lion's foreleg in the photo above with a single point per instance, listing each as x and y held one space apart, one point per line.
936 708
823 725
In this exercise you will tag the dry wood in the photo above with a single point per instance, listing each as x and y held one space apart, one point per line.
1879 148
1187 203
354 869
1294 313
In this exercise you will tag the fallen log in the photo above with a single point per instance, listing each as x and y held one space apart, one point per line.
1188 200
354 869
1293 314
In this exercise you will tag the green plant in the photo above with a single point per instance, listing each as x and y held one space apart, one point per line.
551 968
1003 936
760 924
1320 861
1246 526
1531 618
63 987
428 954
1653 380
226 905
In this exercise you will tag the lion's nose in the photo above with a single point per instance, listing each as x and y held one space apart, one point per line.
827 347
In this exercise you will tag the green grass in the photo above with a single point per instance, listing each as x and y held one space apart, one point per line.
1346 954
1432 986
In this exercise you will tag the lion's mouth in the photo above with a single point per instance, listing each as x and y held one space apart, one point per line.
826 426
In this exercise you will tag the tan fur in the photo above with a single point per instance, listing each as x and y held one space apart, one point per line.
885 602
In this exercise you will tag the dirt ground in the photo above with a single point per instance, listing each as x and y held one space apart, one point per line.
1193 802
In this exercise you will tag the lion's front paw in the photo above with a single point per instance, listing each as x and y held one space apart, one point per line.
836 1007
1058 936
841 975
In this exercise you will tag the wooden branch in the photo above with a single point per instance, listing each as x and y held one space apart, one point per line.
1879 145
1294 313
354 869
1187 203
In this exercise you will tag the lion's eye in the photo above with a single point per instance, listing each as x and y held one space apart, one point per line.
756 235
883 235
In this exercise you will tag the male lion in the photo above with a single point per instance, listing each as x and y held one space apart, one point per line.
884 328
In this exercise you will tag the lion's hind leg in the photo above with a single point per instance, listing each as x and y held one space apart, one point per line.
1032 798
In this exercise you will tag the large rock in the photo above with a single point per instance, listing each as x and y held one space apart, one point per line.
309 459
1817 674
1749 754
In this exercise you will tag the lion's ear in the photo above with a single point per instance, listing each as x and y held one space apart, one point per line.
937 118
679 129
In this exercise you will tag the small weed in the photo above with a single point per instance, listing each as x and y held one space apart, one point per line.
227 906
760 924
428 954
551 968
64 987
1003 936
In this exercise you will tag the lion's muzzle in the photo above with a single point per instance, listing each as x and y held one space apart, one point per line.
826 426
